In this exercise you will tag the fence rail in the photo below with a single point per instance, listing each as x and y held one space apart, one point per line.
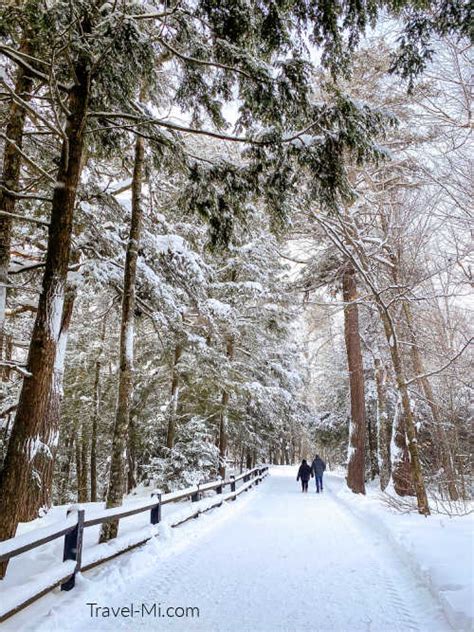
73 529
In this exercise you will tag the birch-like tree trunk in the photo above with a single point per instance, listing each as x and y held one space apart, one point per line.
357 433
125 387
17 480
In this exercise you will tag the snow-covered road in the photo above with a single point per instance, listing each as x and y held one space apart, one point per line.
274 560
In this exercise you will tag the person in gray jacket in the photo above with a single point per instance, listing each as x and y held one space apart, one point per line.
317 468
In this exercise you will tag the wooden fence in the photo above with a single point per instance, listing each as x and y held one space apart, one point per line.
76 521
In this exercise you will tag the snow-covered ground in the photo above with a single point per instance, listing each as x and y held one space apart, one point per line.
44 563
279 560
439 550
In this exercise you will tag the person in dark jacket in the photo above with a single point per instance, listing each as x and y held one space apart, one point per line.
304 473
317 468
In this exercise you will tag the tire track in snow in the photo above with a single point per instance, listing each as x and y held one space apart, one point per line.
412 599
376 575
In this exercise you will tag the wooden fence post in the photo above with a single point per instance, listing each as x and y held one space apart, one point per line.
155 513
232 485
73 548
195 496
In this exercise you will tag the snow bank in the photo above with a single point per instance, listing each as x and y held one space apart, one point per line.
438 549
35 585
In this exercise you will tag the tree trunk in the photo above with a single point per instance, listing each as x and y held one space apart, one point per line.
131 455
223 420
405 430
173 407
77 456
81 449
81 481
248 459
11 175
125 388
43 462
441 441
95 415
400 457
65 469
356 461
409 423
223 423
372 440
83 496
282 457
33 407
384 430
293 450
6 355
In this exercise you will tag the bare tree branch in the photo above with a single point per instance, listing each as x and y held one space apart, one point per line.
445 366
22 218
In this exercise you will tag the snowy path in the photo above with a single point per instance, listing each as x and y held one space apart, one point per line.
274 560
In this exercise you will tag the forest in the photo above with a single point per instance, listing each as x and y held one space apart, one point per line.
233 233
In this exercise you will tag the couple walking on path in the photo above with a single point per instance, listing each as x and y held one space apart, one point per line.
306 472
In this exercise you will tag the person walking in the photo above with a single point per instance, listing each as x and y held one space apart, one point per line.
317 468
304 473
